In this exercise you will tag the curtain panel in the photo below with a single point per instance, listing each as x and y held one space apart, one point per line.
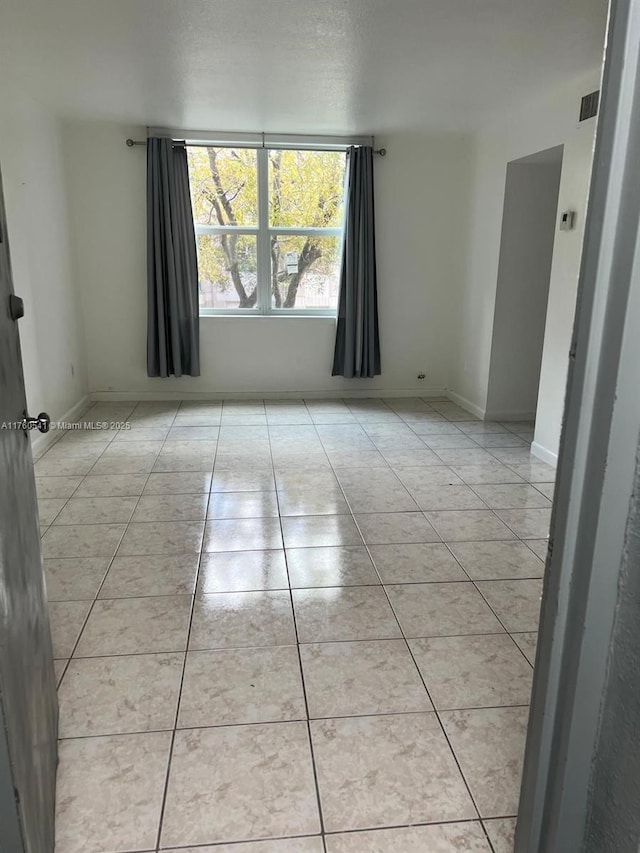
173 343
357 347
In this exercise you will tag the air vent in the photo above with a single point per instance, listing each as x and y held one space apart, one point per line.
589 106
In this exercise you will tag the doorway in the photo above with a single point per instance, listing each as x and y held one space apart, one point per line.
524 270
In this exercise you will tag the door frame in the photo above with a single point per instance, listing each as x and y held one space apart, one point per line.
595 471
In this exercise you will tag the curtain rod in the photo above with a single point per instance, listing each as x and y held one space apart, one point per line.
131 142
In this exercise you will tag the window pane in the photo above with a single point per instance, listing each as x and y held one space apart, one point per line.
223 185
227 270
305 271
306 188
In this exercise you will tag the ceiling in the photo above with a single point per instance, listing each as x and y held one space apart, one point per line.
297 66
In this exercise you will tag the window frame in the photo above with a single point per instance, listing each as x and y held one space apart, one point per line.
263 232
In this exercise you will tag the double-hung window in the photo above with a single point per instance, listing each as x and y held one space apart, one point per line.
268 226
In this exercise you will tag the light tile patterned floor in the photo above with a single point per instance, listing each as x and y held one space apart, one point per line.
292 628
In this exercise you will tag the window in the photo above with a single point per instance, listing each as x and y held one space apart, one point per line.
268 227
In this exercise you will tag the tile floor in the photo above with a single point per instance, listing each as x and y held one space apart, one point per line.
288 627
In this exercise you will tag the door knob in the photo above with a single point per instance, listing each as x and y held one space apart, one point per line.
16 307
42 422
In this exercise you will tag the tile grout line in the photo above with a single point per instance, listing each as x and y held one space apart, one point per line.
104 577
95 597
436 710
489 605
195 519
421 677
314 766
302 719
174 731
362 424
284 588
374 829
519 539
455 758
82 477
308 643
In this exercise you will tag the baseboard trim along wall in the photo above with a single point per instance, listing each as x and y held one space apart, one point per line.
543 454
40 442
510 416
133 396
466 404
487 414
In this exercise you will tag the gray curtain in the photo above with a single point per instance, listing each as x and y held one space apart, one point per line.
357 349
173 340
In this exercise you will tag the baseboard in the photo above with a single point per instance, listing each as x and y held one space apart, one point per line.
509 415
487 414
333 394
41 442
543 454
466 404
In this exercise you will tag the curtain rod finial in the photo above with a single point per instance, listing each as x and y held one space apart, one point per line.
382 152
130 143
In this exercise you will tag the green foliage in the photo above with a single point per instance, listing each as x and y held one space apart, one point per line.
213 260
305 190
235 187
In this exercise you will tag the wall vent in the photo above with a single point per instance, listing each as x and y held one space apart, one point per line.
589 105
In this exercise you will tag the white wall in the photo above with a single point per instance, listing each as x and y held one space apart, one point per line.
551 121
35 197
439 207
563 287
421 195
526 252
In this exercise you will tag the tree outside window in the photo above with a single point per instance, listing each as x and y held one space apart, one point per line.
290 262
